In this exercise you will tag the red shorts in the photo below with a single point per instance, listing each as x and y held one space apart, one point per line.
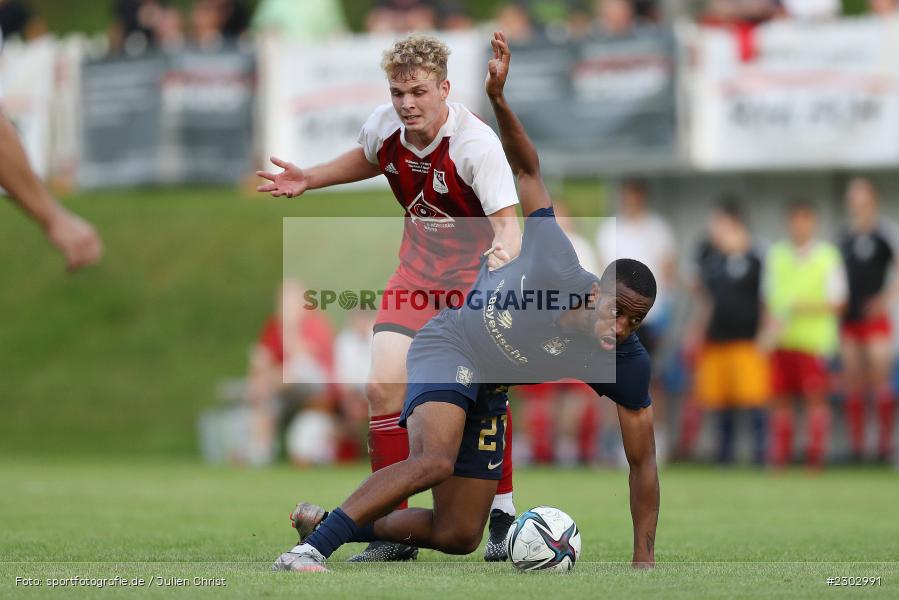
867 329
794 372
407 306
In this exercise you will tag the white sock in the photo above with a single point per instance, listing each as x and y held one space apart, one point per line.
504 503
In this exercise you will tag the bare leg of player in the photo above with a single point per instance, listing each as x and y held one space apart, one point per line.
388 443
454 526
435 434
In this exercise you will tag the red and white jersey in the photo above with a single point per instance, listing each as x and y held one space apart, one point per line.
446 190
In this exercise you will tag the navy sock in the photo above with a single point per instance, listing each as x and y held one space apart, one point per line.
366 533
335 531
759 422
726 433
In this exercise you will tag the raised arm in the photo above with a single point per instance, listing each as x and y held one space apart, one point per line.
640 449
293 181
519 149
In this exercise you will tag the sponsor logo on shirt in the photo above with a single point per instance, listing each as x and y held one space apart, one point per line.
556 346
463 375
418 166
440 182
429 215
493 320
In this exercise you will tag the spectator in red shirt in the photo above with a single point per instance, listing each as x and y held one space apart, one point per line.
291 369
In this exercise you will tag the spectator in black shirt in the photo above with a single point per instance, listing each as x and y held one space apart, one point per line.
731 373
869 251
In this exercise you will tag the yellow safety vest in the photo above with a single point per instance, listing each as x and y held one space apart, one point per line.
794 279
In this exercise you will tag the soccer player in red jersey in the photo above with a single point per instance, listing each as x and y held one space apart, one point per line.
448 171
869 248
74 237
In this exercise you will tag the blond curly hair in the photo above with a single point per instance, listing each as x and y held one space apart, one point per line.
413 53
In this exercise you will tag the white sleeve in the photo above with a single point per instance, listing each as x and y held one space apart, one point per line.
482 165
493 182
372 135
665 241
607 242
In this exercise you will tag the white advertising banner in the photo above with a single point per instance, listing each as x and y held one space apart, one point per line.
26 81
315 98
796 95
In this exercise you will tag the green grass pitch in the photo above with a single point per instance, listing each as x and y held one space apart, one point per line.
103 370
735 533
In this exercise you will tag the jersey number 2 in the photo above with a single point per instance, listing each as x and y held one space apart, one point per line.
490 431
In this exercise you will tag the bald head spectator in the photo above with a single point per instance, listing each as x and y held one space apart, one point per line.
725 12
616 17
515 21
884 8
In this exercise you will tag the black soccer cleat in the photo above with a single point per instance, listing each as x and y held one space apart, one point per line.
379 551
500 522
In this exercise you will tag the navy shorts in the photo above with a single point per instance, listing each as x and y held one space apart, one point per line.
440 370
483 439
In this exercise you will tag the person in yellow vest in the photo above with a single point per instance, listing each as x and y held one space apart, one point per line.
805 290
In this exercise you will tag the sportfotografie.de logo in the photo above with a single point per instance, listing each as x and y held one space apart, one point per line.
420 299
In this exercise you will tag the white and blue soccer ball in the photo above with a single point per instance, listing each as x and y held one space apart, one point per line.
544 539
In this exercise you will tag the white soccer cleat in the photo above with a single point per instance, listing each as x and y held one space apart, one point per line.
302 558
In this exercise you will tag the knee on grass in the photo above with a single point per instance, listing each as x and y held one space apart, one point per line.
459 540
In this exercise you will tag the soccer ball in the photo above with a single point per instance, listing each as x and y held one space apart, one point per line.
544 538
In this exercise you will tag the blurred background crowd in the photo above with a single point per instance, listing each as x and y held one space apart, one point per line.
774 318
786 340
136 24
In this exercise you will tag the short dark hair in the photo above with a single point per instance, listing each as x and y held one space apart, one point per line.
729 206
631 273
636 184
801 205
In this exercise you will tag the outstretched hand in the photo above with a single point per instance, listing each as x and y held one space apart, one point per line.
498 66
290 182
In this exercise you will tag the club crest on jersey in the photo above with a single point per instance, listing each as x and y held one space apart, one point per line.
556 346
432 217
440 182
463 375
504 318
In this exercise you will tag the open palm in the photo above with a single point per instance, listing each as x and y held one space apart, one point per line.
290 182
498 66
